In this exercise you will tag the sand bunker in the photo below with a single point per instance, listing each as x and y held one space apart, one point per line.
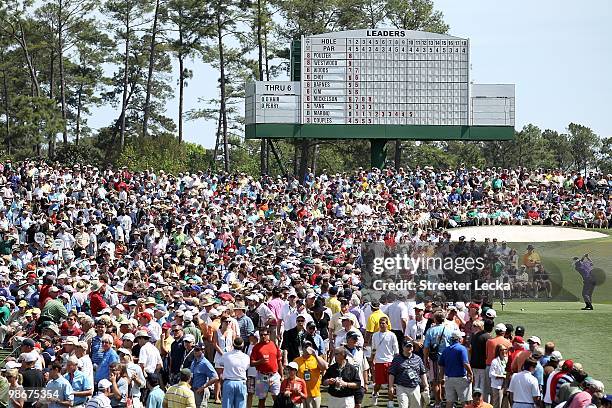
523 233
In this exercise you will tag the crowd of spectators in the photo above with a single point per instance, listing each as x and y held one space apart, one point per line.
151 289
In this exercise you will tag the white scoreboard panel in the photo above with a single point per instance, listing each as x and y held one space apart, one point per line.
395 77
492 105
272 102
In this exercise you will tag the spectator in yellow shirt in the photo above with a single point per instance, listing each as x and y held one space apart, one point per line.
332 301
372 325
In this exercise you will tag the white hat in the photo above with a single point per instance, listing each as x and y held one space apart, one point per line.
535 339
142 333
293 365
123 350
12 364
71 340
491 314
189 337
420 306
457 335
30 357
104 384
129 337
188 317
500 327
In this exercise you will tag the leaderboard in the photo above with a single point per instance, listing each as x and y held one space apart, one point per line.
394 77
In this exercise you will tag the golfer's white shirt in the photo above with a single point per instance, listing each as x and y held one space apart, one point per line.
385 346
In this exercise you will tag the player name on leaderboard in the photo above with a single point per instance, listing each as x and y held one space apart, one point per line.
395 77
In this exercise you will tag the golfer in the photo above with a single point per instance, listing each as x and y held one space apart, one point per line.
584 266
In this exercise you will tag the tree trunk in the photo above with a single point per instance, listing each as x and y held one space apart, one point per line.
222 87
295 157
263 149
60 49
266 59
216 150
78 117
7 113
398 154
126 66
24 47
313 163
147 105
52 136
181 95
303 160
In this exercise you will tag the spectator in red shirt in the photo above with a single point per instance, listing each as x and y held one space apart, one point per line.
267 358
293 386
44 291
69 327
534 216
96 300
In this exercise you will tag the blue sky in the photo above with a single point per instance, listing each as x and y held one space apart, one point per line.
558 53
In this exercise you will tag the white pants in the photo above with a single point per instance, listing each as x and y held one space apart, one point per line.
346 402
408 397
312 402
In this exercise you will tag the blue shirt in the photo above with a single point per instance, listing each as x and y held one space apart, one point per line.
79 383
202 371
103 371
96 350
432 335
539 374
156 398
61 389
453 359
246 326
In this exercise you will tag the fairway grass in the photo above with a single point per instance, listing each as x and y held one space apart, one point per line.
583 336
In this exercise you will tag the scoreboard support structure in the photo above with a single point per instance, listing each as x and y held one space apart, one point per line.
378 152
379 85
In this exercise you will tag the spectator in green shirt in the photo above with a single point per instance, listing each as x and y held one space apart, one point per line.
5 312
54 309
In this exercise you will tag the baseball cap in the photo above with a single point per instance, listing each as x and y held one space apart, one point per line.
500 327
189 338
518 339
186 371
128 337
457 335
491 314
477 391
293 365
596 385
534 339
30 357
104 384
408 343
28 342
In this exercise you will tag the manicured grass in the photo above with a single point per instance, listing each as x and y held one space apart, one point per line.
583 336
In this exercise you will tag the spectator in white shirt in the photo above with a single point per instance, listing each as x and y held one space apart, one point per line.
524 388
398 315
384 348
149 357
